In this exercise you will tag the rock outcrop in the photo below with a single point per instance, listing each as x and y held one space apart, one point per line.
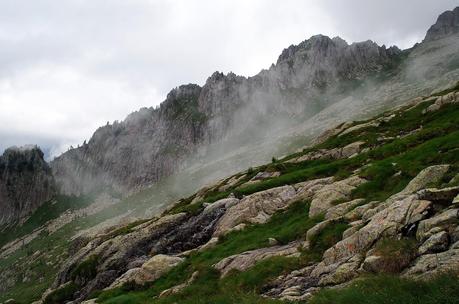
447 24
256 208
26 183
150 271
245 260
402 214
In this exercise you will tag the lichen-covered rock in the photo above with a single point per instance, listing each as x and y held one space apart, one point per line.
256 208
386 223
436 243
245 260
338 273
358 212
325 197
306 190
429 175
429 265
341 209
336 153
355 226
373 263
445 219
445 195
150 270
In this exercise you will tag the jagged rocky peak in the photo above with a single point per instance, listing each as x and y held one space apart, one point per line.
25 183
182 93
325 46
322 61
447 24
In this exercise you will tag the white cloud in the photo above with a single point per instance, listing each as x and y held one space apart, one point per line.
67 67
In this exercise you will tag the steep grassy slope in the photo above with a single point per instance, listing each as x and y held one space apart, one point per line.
395 151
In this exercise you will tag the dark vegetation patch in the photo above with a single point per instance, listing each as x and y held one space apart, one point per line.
328 237
385 289
86 270
61 295
395 254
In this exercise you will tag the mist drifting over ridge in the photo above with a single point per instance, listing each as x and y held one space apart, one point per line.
63 78
313 86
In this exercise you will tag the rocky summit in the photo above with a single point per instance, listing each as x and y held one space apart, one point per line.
331 177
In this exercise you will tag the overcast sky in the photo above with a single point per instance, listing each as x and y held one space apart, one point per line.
69 66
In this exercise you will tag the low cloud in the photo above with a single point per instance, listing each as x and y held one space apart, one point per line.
67 67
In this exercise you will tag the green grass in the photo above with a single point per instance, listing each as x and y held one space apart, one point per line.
48 211
329 236
86 270
395 254
61 295
284 226
384 289
389 166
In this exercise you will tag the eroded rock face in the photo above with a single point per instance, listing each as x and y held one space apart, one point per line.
154 143
429 175
429 265
326 196
256 208
447 24
387 222
401 214
120 255
150 271
445 219
26 183
436 243
245 260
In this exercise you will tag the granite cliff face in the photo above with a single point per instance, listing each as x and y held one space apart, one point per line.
153 143
447 24
139 150
314 85
26 183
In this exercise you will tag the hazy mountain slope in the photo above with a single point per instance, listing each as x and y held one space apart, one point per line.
313 86
153 143
224 127
374 197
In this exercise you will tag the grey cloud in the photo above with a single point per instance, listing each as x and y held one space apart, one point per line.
67 66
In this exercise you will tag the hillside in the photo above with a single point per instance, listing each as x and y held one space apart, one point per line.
331 177
313 86
372 204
